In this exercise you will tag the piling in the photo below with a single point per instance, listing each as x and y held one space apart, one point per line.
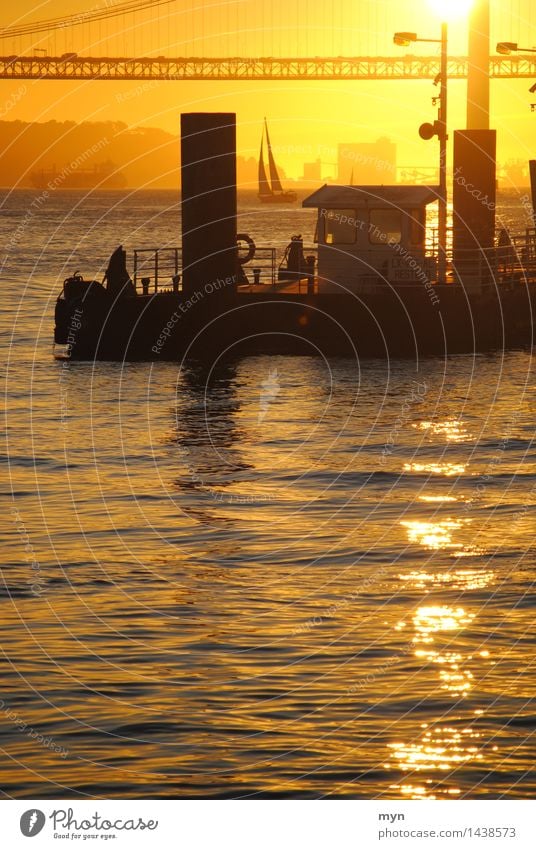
208 173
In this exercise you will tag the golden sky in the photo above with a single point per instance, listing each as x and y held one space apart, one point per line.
307 118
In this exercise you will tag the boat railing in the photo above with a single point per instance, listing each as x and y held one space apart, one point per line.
512 260
157 270
516 257
261 270
267 269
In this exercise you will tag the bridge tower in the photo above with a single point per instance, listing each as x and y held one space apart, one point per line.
478 67
475 168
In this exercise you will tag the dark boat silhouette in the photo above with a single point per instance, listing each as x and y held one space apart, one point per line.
104 175
271 190
370 286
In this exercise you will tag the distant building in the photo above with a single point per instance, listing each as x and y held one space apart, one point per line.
515 174
367 163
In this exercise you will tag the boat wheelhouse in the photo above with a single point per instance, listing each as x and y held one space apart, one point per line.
370 236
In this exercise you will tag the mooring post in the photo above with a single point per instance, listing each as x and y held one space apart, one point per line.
208 171
532 171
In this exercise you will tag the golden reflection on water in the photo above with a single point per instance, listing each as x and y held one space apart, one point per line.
439 747
440 498
431 620
456 579
446 469
438 536
432 535
416 791
453 430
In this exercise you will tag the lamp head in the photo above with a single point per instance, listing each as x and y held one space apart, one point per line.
506 47
404 39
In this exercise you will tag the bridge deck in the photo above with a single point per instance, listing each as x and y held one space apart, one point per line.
268 68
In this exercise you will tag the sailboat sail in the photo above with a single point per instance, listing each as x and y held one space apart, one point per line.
274 176
274 193
264 185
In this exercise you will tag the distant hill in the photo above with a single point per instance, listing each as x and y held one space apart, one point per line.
67 152
146 156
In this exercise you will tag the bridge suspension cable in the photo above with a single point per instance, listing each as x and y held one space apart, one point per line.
91 16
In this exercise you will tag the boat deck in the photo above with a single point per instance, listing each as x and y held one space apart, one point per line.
159 270
285 287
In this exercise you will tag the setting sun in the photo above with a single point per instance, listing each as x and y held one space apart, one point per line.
450 10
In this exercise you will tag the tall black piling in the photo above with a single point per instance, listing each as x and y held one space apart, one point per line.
208 175
474 200
532 172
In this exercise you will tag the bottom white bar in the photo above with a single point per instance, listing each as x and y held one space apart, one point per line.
269 824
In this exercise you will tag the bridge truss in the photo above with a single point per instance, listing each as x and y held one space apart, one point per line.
73 67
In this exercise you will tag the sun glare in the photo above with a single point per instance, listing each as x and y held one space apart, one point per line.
452 9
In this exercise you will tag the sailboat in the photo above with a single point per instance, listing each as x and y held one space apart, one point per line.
274 192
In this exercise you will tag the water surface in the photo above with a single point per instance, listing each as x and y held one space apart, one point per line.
291 577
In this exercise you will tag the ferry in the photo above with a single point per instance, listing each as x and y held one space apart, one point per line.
369 286
104 175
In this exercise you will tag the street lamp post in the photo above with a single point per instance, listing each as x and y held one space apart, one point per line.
505 48
443 137
439 129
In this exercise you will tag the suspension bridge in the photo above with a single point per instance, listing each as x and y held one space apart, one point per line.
240 40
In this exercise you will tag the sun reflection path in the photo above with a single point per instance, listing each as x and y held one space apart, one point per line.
456 579
438 536
453 430
433 535
430 621
438 498
446 469
430 759
440 747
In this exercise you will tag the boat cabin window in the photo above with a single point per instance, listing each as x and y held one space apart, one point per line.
417 229
340 226
385 226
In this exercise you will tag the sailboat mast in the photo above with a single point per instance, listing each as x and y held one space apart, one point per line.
264 185
274 176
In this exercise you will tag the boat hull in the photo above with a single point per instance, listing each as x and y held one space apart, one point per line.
395 323
286 197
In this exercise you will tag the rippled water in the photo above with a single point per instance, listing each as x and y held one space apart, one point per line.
277 577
